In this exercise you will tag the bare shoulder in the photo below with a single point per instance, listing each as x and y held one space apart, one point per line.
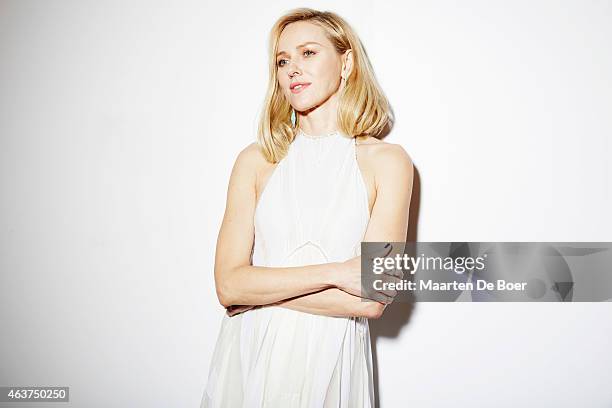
253 167
251 154
251 159
381 155
393 158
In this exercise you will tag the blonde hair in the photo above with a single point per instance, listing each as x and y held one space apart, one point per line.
363 108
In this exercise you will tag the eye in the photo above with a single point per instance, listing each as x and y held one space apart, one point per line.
279 63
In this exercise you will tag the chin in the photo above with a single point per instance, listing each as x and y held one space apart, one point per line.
305 106
302 107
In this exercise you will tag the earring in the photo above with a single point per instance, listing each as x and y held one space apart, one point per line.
293 118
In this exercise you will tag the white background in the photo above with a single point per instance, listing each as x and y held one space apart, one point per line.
119 125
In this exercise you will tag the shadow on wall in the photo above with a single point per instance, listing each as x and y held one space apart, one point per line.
397 314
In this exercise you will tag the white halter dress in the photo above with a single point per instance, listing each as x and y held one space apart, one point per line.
313 210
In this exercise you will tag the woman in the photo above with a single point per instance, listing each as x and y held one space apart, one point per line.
299 203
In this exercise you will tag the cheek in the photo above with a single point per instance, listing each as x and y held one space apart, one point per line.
326 84
326 77
283 84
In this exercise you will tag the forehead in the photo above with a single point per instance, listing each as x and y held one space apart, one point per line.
300 32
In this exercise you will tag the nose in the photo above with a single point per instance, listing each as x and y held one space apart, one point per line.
293 69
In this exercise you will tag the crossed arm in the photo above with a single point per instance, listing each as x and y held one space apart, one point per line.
311 289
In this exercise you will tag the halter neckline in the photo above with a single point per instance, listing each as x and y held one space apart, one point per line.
308 136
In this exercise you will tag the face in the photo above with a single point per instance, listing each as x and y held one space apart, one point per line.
305 55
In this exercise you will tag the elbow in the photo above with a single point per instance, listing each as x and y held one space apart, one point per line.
228 291
224 294
374 310
223 299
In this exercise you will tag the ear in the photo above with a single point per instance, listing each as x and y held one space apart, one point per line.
347 63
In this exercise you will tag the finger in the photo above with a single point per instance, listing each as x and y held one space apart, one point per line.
394 273
384 250
387 299
387 288
378 251
389 292
391 280
389 284
237 309
379 297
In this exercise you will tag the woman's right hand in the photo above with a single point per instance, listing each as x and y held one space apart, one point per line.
350 278
237 309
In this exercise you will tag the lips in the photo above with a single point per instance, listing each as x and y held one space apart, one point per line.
298 87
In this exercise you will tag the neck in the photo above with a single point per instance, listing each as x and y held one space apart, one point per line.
322 119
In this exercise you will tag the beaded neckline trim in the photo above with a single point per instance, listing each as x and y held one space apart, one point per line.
306 135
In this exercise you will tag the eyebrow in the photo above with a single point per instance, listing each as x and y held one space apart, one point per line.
299 46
